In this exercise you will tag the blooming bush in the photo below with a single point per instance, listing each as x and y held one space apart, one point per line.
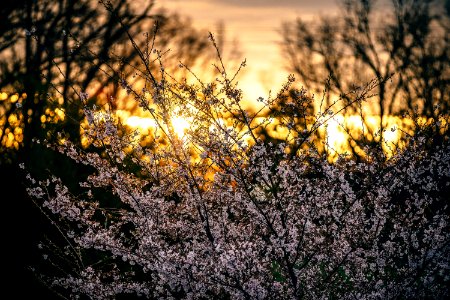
222 211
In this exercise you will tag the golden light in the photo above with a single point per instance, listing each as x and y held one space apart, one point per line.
336 135
14 98
3 96
180 125
139 122
60 113
13 120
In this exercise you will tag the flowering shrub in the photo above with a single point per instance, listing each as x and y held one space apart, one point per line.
223 212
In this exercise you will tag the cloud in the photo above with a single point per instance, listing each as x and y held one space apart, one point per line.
302 4
279 3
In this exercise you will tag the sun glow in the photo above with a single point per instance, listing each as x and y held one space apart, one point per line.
139 122
180 125
337 140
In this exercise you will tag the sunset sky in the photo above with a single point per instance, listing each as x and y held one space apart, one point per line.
255 24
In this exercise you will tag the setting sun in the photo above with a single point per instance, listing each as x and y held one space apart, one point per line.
180 125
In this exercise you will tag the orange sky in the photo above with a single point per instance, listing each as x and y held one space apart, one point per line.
255 24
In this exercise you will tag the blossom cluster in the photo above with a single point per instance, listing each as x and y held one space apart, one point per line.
224 212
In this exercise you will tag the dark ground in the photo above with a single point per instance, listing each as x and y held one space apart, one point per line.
22 228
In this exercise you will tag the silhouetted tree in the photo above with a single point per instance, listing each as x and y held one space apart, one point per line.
53 51
405 41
